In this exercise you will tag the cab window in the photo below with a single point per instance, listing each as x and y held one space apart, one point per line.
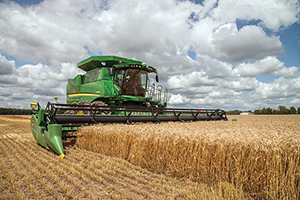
132 81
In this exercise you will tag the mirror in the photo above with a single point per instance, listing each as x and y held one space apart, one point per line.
156 77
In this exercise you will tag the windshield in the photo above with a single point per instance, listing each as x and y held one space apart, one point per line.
132 81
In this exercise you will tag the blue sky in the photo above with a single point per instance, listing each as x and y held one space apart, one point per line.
291 40
28 2
214 54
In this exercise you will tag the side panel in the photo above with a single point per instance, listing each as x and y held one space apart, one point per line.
73 88
37 131
74 85
95 84
53 138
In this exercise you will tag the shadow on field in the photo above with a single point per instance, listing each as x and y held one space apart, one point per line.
70 142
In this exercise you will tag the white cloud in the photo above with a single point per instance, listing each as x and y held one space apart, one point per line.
274 14
251 42
216 68
54 35
177 99
41 72
40 33
36 82
268 65
194 79
288 72
280 88
6 67
241 84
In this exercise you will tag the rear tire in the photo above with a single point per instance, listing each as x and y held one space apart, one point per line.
101 110
93 105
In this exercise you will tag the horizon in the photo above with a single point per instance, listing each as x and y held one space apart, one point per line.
209 54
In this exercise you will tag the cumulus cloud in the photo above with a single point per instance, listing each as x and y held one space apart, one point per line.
288 72
194 79
46 73
52 36
267 65
241 84
216 68
273 14
35 82
280 88
42 32
177 99
6 66
249 43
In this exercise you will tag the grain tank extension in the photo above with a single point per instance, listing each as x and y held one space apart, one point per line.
112 90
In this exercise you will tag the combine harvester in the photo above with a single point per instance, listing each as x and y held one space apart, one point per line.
113 90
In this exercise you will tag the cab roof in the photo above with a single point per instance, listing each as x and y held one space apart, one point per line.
104 61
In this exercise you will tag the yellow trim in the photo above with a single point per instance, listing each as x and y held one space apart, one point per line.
83 95
33 103
80 112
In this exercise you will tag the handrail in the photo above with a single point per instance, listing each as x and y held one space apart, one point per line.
154 93
158 93
165 96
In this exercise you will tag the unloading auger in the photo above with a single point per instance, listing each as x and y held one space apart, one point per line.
113 90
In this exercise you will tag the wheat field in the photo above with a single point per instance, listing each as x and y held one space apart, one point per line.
28 171
255 157
258 156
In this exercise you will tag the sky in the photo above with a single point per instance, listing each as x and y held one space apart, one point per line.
226 54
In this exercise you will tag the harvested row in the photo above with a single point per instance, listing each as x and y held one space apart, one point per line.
259 155
29 171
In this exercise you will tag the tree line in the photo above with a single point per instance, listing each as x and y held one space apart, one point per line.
281 110
14 111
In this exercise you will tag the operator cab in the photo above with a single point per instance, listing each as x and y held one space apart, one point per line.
131 81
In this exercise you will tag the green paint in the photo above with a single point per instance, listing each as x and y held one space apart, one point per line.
115 81
53 138
47 135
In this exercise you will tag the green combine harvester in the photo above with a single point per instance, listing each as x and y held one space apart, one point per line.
113 90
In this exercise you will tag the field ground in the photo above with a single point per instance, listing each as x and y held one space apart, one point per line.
28 171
